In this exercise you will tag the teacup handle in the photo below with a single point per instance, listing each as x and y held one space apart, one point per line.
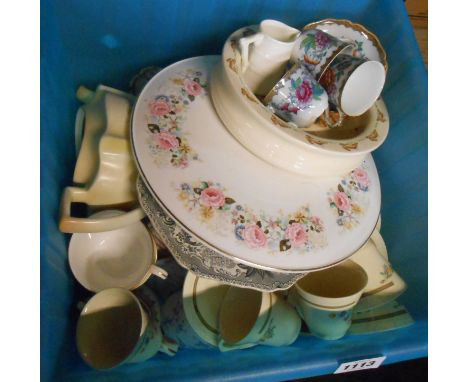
169 346
244 44
157 271
331 124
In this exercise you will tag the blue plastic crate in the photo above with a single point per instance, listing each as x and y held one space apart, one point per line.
91 42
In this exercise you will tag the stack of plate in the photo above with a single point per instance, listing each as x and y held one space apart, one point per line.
230 212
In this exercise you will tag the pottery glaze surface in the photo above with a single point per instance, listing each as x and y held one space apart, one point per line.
282 144
223 203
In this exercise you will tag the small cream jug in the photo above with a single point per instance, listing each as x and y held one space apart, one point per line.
264 65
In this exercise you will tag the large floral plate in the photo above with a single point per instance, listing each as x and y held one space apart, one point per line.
367 45
205 262
231 200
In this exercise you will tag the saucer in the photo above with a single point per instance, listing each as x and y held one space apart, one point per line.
367 44
202 300
232 201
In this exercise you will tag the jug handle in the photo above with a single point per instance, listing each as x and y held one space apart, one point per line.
379 243
70 224
244 44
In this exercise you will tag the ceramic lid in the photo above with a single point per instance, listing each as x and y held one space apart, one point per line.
233 201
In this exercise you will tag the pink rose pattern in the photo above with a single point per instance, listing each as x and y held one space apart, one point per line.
341 200
166 116
299 231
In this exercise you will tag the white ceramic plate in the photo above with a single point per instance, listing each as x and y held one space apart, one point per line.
230 199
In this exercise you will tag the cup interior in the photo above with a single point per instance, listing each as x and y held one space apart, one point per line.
362 88
109 328
239 313
278 31
342 280
118 258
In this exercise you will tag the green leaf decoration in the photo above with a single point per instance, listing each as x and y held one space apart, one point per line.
191 97
284 245
299 81
229 200
340 188
153 128
196 79
204 185
308 42
197 190
293 84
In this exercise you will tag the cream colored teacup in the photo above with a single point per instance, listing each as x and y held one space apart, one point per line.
248 317
325 299
114 329
121 258
384 283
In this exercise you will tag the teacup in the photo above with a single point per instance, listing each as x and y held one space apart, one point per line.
353 84
325 299
317 50
297 97
264 64
114 329
191 318
121 258
248 318
384 283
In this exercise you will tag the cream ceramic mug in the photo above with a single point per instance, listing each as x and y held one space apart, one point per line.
384 283
114 329
264 63
249 317
325 299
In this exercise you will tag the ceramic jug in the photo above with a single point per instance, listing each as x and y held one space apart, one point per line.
264 63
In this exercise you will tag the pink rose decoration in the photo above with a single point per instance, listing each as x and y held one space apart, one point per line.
166 140
159 107
361 177
342 201
212 197
296 234
304 91
254 236
316 221
192 87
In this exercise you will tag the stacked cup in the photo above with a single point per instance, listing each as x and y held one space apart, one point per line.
325 78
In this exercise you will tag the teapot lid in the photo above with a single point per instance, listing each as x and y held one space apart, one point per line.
230 199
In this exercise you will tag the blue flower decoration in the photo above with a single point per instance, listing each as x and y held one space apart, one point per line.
239 207
162 98
238 231
185 187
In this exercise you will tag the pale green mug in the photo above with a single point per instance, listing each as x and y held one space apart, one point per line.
325 299
248 318
114 329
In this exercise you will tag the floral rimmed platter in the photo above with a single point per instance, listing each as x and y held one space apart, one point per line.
367 45
203 261
230 200
283 144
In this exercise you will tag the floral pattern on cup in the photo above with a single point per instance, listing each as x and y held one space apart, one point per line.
344 315
165 118
297 97
299 231
342 199
386 273
315 46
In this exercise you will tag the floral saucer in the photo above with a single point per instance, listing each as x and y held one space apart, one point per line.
367 45
230 200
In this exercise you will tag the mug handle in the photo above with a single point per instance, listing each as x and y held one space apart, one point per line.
157 271
331 124
169 346
70 224
244 44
